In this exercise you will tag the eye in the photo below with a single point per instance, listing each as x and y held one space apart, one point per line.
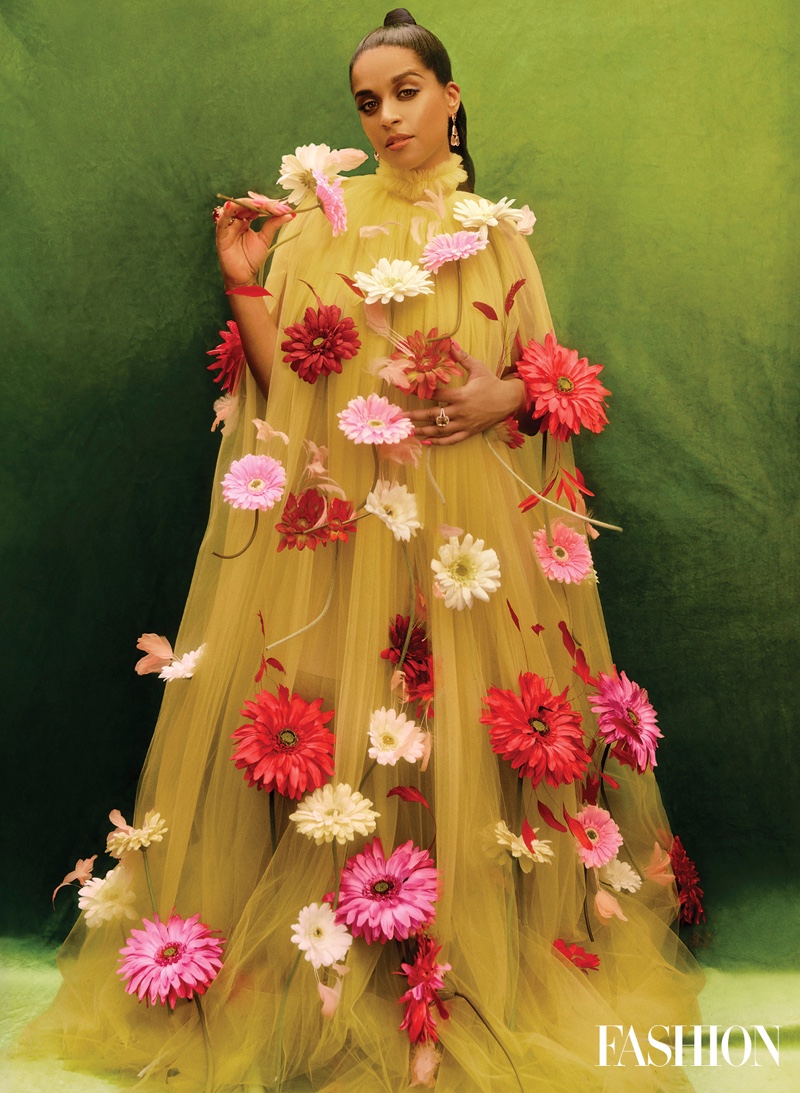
367 106
408 92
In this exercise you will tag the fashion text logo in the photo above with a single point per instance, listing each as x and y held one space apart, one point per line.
689 1045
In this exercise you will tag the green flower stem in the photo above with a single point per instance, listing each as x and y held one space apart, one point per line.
273 827
247 545
492 1033
207 1043
412 618
149 880
319 617
336 875
366 774
547 501
281 1017
586 903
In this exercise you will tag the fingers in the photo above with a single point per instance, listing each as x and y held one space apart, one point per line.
236 216
444 441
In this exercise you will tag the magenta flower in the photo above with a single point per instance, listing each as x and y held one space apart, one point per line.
450 248
380 900
568 559
626 718
254 482
374 420
603 834
167 961
329 195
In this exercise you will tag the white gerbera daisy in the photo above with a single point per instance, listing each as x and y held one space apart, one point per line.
297 171
317 934
515 845
396 507
108 898
182 667
393 281
620 876
335 812
478 214
465 571
394 737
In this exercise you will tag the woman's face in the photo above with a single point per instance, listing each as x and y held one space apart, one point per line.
405 111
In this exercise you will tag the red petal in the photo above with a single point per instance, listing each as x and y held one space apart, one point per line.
578 831
276 664
611 781
314 293
528 834
351 284
537 628
248 290
581 668
260 672
512 292
548 817
486 309
261 623
569 641
408 793
513 614
529 502
580 481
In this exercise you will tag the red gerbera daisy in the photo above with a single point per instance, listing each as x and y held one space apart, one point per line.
690 894
428 363
424 980
562 390
418 650
539 732
577 956
340 520
230 358
298 525
285 746
317 346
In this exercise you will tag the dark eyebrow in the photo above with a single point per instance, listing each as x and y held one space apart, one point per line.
395 80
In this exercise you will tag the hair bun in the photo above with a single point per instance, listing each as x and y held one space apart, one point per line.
399 17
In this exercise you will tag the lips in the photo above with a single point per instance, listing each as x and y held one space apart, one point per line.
397 138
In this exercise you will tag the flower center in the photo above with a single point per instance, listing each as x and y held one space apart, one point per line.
539 726
632 716
388 741
170 953
376 423
288 738
383 888
561 553
462 571
318 341
331 813
389 510
255 485
565 385
317 933
591 833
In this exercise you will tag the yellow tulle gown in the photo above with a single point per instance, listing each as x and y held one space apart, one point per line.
496 924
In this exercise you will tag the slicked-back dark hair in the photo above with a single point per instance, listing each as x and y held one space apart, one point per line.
400 29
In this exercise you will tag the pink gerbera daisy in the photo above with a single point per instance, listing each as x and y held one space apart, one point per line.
562 390
374 420
254 482
329 195
285 746
603 834
568 559
450 248
230 358
381 899
538 732
626 718
167 961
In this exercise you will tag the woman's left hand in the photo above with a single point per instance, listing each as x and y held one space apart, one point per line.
483 401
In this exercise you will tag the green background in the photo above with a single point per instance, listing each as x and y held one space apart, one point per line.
656 143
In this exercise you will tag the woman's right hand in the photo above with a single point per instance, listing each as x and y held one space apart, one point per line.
240 249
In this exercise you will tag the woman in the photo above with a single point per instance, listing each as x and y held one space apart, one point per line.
387 588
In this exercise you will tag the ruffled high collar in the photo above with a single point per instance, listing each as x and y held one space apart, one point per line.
411 185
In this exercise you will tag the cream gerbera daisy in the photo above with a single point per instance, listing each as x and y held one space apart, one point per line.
335 812
478 214
396 507
393 281
394 737
620 876
126 838
515 845
107 899
318 935
465 571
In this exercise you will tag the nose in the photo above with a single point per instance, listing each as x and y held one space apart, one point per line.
389 115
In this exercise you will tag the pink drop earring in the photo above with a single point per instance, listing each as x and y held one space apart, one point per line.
455 140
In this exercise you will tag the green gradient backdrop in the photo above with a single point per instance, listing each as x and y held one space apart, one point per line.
653 141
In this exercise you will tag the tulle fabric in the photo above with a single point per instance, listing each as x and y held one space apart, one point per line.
496 929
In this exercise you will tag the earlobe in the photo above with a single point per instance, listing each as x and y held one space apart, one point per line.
453 97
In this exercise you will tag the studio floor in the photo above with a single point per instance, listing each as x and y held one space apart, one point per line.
732 996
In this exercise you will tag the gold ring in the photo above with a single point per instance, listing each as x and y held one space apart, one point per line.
442 419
